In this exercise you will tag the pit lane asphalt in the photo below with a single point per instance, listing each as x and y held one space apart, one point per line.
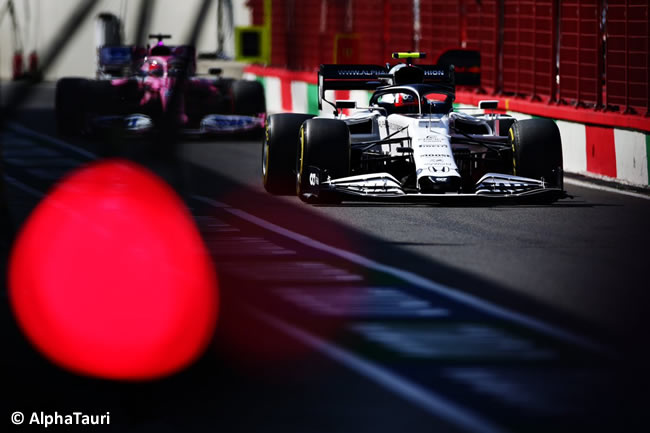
579 263
584 258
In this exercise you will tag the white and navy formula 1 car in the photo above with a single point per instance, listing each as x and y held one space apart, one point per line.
409 143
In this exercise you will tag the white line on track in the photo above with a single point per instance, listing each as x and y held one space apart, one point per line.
418 395
598 187
421 397
407 276
31 133
28 189
425 399
424 283
371 264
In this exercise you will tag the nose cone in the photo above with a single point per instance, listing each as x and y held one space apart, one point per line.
439 184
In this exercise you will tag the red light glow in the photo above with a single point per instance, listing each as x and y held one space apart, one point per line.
109 276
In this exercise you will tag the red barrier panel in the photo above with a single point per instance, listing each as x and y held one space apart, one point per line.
339 19
279 22
257 11
440 27
580 52
304 34
483 35
598 49
369 19
601 150
528 48
627 56
383 27
399 16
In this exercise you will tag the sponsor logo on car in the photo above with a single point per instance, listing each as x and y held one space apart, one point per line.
360 72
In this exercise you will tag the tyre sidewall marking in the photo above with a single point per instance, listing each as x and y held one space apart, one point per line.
265 153
514 155
302 157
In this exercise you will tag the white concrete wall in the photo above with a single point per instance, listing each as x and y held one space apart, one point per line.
78 58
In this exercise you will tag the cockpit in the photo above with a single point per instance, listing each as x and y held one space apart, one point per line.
408 100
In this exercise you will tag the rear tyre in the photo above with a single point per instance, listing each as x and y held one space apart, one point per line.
325 144
70 105
281 141
537 151
248 98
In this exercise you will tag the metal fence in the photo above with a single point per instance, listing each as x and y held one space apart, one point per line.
587 53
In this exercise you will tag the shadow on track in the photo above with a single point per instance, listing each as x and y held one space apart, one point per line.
240 390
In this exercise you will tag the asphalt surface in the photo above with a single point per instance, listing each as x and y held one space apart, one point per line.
369 317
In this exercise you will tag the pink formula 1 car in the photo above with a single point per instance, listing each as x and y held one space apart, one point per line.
135 86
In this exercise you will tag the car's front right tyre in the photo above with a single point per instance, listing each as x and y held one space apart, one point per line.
324 144
281 141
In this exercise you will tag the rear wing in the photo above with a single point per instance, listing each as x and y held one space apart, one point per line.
440 75
349 77
115 55
370 77
118 60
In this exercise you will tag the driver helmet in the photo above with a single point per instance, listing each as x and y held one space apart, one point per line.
155 68
396 68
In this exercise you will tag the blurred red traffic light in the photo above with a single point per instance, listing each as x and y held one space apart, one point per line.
109 276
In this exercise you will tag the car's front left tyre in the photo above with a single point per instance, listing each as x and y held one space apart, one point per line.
537 151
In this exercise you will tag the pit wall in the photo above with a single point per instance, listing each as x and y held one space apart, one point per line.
591 144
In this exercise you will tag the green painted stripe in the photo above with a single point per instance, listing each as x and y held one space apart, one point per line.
261 80
647 154
312 99
368 96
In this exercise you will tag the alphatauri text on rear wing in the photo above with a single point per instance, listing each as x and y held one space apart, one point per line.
371 77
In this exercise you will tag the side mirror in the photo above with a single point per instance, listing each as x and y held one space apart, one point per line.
488 105
215 71
346 104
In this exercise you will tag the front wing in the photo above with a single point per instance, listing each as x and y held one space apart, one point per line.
213 124
385 187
